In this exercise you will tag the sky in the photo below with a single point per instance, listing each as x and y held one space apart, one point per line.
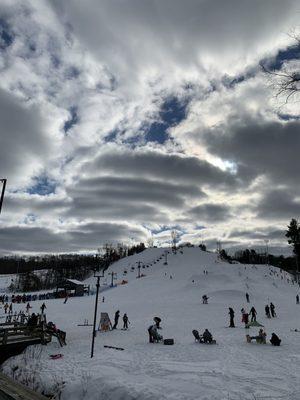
124 120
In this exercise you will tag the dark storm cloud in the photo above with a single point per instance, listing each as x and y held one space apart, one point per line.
265 148
85 236
279 204
22 137
162 166
123 197
210 212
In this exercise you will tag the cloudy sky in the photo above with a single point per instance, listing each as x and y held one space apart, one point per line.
122 120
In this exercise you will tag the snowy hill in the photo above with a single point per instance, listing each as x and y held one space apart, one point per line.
231 370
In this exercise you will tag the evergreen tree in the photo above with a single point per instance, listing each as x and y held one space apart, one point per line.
293 235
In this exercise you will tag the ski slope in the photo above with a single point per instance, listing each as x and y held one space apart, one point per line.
233 369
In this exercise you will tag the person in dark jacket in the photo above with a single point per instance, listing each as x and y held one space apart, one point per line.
253 314
154 336
43 306
275 340
125 321
272 308
207 336
247 298
267 311
297 299
117 316
157 321
231 315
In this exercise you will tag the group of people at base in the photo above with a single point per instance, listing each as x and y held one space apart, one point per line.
261 338
106 325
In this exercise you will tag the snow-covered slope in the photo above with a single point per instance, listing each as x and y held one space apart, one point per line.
231 370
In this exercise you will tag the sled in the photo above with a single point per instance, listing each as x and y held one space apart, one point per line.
56 356
254 323
199 338
113 347
168 342
257 340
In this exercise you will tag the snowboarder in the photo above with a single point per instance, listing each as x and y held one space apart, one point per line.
117 316
204 299
253 314
275 341
207 336
125 321
297 299
272 308
43 306
231 314
267 311
247 298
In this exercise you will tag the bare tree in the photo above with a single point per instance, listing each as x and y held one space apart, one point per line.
286 80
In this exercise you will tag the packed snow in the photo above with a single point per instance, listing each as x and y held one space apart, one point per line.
233 369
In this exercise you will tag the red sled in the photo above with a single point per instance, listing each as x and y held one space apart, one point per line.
56 356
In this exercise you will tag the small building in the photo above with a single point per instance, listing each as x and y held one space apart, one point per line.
73 287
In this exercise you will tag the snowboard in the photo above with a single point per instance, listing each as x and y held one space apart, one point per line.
113 347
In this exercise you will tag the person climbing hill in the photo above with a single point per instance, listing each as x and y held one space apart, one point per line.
231 315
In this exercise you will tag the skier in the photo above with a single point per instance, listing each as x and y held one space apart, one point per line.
207 336
204 299
272 308
275 341
297 299
125 321
247 298
43 306
117 316
267 311
253 314
231 314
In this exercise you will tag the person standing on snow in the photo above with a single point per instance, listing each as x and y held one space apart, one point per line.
231 315
125 321
117 316
267 311
43 306
247 298
253 314
28 307
272 308
297 299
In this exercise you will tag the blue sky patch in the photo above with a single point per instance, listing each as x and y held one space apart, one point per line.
42 186
290 53
6 36
171 113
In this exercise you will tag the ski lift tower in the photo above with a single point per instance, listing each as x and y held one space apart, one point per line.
2 192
